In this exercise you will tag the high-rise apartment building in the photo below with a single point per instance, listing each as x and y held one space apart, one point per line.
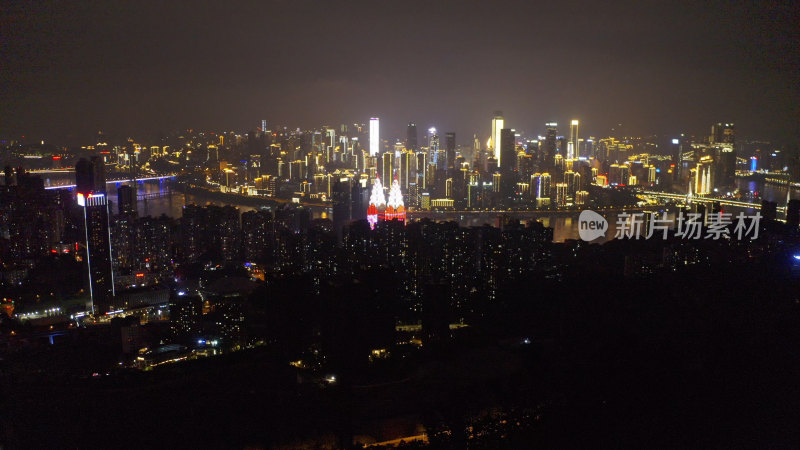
91 195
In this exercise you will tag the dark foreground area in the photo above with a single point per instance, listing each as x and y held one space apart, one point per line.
702 360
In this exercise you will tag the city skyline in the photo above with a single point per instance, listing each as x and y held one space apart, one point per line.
654 68
383 224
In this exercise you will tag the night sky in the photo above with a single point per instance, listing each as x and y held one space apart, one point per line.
138 68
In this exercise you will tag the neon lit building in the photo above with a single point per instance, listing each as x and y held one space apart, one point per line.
91 196
377 203
395 209
380 209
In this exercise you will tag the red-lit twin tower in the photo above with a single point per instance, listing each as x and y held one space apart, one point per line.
380 209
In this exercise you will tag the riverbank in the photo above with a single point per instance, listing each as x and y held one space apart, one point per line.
238 199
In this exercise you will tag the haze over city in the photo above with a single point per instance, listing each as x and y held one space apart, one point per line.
399 224
144 68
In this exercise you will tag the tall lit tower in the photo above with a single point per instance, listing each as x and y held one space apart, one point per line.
377 203
497 125
572 145
330 138
386 167
411 137
395 208
374 136
723 133
723 139
550 143
450 148
477 157
433 145
507 150
91 187
422 165
408 161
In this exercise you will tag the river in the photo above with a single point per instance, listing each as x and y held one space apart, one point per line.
565 225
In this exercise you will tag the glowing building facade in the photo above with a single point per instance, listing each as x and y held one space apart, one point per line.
395 209
91 196
377 203
380 208
374 136
704 176
497 125
572 145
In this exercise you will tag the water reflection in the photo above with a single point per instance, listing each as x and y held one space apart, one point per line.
564 226
770 192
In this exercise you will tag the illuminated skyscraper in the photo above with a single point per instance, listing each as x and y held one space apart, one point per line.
543 186
374 136
91 195
433 145
478 160
507 151
411 137
559 166
407 168
126 201
386 169
561 194
677 160
573 181
548 150
341 193
572 145
330 142
497 125
723 133
450 148
508 165
422 165
723 138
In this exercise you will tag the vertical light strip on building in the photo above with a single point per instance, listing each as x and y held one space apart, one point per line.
497 125
82 202
374 136
573 138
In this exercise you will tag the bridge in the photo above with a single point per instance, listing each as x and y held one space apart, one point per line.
70 186
151 195
700 199
38 171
